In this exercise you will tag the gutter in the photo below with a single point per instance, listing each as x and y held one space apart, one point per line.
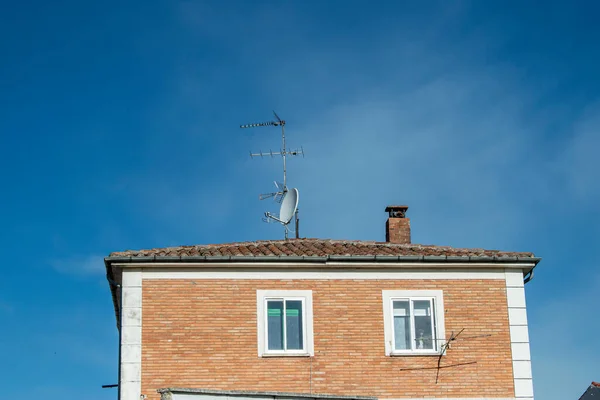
114 286
320 259
528 277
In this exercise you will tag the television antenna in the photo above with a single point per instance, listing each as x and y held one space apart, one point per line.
443 351
287 211
282 191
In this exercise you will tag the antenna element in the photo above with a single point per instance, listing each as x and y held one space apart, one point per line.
281 194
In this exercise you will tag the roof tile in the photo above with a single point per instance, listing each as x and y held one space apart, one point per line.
317 247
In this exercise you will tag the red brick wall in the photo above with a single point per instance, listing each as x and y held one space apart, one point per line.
202 334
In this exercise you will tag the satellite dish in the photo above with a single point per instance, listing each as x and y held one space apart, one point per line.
289 209
288 206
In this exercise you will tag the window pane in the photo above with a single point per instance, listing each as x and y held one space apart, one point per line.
423 328
275 324
293 324
401 312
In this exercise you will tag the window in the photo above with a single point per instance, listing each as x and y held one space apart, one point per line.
413 321
285 331
284 320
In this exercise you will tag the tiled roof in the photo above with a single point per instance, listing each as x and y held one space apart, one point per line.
592 392
318 248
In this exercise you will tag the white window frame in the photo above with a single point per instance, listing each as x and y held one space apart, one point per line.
307 321
437 298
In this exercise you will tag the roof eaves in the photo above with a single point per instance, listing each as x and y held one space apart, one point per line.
169 259
315 259
506 258
288 258
434 258
385 258
410 258
142 259
457 259
323 259
209 258
117 259
534 260
351 258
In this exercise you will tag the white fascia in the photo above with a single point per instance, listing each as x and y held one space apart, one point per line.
321 271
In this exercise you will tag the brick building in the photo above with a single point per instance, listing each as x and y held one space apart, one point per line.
312 318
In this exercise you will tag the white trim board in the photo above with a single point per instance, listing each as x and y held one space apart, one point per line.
168 273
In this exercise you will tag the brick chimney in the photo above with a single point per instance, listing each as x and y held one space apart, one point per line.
397 227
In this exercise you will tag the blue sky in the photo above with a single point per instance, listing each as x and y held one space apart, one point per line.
119 130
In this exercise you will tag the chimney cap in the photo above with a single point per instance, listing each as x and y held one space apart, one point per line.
396 211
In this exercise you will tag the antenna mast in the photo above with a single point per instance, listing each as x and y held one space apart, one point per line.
282 189
284 152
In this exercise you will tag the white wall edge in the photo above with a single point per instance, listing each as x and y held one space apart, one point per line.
130 385
519 334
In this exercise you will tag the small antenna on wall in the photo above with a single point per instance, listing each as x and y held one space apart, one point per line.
281 194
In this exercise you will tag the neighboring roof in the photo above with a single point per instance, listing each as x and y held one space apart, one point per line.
315 248
592 392
165 394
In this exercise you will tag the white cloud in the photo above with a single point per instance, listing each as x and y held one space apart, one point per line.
436 126
80 265
580 162
457 161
